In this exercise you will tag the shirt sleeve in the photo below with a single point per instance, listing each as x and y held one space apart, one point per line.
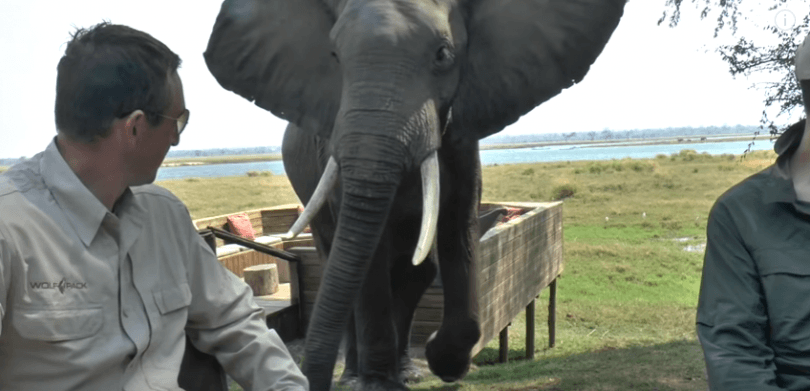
5 276
225 321
732 323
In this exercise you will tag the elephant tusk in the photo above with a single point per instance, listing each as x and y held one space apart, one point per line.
430 208
326 184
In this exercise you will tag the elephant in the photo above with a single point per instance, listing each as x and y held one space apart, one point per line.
386 102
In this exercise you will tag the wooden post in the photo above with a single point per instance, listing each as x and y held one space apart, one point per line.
503 353
552 309
530 330
262 279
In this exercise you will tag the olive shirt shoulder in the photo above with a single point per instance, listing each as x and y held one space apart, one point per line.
758 244
752 211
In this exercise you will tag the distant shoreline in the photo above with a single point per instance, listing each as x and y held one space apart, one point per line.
698 139
226 159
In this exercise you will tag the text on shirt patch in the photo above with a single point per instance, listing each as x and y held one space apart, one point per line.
61 285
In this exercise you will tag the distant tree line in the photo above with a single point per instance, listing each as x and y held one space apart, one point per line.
224 152
607 134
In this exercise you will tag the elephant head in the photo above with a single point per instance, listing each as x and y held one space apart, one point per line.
389 83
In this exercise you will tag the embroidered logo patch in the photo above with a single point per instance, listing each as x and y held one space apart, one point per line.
62 286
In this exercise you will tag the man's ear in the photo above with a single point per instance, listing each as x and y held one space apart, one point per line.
127 129
132 122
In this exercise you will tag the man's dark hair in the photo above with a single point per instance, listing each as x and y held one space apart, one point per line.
806 96
107 72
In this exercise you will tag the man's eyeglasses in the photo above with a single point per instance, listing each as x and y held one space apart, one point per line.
182 120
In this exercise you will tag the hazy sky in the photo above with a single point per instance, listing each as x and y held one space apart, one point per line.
648 76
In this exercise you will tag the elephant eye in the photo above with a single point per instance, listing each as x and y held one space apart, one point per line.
335 56
444 58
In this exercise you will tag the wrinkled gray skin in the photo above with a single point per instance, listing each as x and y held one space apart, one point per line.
373 83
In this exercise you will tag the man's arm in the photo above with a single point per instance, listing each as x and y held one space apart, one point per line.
732 322
225 321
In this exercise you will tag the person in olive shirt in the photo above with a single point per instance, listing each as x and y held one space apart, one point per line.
103 275
753 317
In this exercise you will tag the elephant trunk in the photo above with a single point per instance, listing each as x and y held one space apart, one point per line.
363 215
374 150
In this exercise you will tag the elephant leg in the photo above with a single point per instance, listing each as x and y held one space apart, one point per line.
374 324
448 350
409 283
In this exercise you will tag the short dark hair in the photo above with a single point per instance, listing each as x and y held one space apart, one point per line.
805 84
109 71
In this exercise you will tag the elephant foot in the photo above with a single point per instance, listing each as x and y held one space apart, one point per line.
449 354
376 384
347 385
410 371
349 380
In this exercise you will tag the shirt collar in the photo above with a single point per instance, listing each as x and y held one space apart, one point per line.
81 207
779 186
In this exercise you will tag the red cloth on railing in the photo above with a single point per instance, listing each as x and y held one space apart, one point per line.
511 214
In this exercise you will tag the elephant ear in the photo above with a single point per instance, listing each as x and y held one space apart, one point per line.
523 52
277 53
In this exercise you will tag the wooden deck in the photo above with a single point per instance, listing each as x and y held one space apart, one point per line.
516 260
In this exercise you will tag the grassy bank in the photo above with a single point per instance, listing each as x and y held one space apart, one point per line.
627 298
206 197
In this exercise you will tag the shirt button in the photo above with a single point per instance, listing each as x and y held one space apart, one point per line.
126 314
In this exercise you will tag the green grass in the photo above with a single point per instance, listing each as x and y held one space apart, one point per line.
206 197
3 168
626 300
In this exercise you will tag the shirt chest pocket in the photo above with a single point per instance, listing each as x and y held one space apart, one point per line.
57 325
786 283
173 298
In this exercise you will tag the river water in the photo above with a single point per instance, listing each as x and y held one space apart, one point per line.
495 156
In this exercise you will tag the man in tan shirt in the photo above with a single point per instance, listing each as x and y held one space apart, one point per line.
102 275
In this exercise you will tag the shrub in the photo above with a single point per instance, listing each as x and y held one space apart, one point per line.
640 166
727 156
528 172
563 191
688 155
259 173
